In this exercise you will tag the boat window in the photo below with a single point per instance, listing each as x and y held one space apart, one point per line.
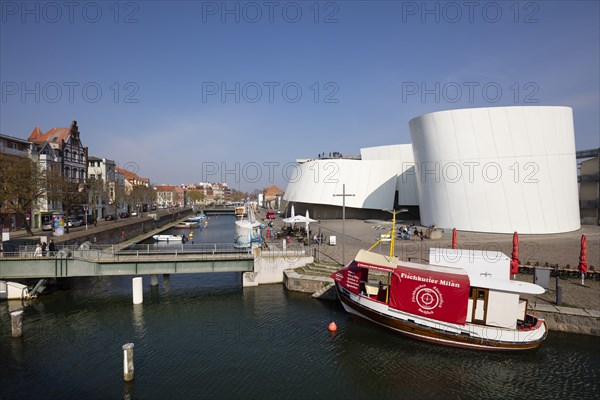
471 294
481 294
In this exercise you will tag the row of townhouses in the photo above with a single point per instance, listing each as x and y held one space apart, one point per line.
109 190
201 194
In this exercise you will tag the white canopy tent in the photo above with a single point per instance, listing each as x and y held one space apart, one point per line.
298 219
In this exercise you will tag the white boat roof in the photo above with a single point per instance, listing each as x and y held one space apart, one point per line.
367 257
507 285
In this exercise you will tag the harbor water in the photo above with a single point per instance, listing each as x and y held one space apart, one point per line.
204 336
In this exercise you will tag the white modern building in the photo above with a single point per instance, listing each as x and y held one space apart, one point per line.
381 179
497 169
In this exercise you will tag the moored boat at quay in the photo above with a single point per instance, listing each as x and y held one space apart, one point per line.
197 218
460 298
169 238
187 225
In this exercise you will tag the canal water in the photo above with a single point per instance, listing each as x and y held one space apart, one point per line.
205 337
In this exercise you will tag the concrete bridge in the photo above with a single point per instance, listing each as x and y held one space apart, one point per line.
219 211
256 266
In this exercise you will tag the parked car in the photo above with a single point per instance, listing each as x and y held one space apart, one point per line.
47 226
124 215
134 214
109 218
90 219
74 222
270 214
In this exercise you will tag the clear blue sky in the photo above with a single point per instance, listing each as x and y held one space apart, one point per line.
361 66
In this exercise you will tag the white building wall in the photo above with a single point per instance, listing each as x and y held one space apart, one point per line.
498 170
371 182
401 160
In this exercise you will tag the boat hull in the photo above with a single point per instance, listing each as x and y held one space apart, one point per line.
411 328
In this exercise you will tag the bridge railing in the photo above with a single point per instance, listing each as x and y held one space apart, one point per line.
147 252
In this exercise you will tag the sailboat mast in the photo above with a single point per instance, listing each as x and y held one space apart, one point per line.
393 233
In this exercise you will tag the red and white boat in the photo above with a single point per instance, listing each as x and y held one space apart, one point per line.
466 300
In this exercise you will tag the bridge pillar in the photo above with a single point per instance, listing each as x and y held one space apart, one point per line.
138 290
16 319
249 279
153 280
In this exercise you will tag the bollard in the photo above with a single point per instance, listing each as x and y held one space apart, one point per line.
128 362
153 280
558 291
16 319
138 290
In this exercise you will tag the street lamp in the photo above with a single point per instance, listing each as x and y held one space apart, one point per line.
343 196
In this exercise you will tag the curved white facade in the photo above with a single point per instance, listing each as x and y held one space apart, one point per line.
500 169
373 180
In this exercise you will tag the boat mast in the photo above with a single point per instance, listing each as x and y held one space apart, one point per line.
393 233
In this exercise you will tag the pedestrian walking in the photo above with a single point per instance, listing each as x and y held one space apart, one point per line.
38 251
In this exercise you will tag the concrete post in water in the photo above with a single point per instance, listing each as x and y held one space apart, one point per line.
558 291
16 319
128 362
153 280
138 290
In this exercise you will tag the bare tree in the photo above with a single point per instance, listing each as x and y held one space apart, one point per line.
69 192
117 196
97 191
22 182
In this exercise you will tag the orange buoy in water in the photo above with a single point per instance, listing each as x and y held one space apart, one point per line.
332 327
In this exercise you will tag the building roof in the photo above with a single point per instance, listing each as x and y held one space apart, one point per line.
14 139
54 135
165 188
131 176
272 192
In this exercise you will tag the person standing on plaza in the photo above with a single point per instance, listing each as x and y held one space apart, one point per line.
44 247
38 251
52 248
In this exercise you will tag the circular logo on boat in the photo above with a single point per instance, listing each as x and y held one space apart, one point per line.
427 298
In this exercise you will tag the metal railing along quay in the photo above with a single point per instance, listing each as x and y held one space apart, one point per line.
103 253
150 252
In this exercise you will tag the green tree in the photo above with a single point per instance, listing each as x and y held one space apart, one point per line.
196 196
